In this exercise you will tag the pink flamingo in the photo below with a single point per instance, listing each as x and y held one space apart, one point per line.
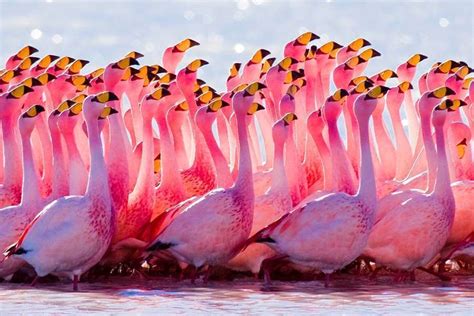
404 152
200 177
427 103
437 75
88 218
275 203
67 122
60 185
15 60
172 56
223 216
326 59
10 191
205 117
14 219
462 187
296 48
131 223
233 79
318 234
424 220
43 64
342 170
351 50
60 66
251 71
170 191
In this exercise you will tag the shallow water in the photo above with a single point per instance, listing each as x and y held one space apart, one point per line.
347 295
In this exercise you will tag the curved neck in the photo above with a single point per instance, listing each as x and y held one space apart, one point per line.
279 178
430 151
403 145
170 176
11 152
341 168
30 188
244 181
224 178
46 148
325 155
60 183
71 145
97 184
367 190
443 183
144 185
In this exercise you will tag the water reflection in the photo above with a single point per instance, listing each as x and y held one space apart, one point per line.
353 295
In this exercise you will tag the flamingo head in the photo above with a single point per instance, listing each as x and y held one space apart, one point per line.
366 103
243 100
406 71
316 121
13 100
333 106
113 72
396 94
93 106
23 53
152 101
27 120
280 129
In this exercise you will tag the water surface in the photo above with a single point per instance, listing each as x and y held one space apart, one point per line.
347 295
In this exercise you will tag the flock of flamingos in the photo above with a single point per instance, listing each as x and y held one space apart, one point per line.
251 178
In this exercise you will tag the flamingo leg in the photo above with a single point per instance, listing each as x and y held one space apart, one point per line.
267 266
439 274
35 281
75 283
327 279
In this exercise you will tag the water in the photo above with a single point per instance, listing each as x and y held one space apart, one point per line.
347 295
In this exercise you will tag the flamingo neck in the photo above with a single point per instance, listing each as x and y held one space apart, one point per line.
224 178
279 178
401 139
30 189
442 186
71 145
367 190
325 155
170 176
60 184
341 171
116 153
97 183
430 151
46 148
12 152
244 181
144 185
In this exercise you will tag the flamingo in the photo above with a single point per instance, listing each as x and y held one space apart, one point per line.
427 103
14 219
224 216
318 234
10 191
270 206
205 116
46 244
351 50
172 56
424 220
15 60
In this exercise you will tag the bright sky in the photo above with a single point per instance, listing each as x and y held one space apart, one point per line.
231 31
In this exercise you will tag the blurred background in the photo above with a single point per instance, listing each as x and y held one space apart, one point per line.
231 30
